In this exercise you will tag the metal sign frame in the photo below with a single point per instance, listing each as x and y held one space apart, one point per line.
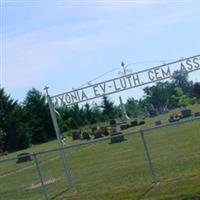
122 83
189 64
57 131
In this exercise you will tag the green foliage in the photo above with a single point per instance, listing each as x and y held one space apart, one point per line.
196 90
183 99
179 91
31 121
6 106
97 114
12 123
133 107
88 113
72 123
180 79
38 117
18 135
62 120
2 140
173 102
159 94
109 111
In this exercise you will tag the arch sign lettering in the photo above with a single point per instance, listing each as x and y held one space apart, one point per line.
115 85
126 82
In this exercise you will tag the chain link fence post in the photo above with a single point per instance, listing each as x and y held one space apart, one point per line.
40 177
151 167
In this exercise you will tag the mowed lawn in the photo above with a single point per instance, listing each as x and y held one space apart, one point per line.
104 171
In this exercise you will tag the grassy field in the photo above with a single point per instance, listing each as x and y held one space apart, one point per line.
104 171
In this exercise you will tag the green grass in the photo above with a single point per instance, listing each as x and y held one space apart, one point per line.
114 172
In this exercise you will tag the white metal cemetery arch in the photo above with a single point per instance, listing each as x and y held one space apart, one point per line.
128 81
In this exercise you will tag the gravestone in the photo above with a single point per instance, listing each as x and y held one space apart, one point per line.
113 122
75 135
24 157
186 113
124 126
158 123
152 113
173 119
197 114
113 126
117 137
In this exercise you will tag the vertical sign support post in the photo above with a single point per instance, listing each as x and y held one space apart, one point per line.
151 167
57 130
40 177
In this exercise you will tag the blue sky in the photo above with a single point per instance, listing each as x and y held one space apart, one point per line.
66 44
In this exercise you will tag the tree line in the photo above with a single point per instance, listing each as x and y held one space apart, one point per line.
29 122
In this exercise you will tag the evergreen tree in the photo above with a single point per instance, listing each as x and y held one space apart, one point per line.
38 117
63 119
91 114
12 123
2 140
77 114
108 108
6 106
97 113
18 134
196 90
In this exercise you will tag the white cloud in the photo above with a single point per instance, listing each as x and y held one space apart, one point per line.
35 55
31 56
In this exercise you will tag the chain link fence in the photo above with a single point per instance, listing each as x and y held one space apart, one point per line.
99 164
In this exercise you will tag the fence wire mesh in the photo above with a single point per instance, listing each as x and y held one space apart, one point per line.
179 157
53 173
19 181
102 165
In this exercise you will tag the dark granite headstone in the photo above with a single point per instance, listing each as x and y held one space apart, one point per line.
117 137
24 157
113 122
152 113
197 114
113 126
124 126
75 135
186 113
158 123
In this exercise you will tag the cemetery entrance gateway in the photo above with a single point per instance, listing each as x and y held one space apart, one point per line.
128 81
